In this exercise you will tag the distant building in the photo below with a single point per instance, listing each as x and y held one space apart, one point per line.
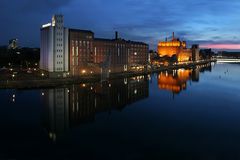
77 52
13 44
175 47
206 53
195 53
225 54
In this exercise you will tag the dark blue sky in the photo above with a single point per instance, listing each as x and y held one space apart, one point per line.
197 21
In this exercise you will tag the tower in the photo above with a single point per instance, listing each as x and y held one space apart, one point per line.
54 48
195 52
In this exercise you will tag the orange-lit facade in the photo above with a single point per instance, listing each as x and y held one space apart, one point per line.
175 47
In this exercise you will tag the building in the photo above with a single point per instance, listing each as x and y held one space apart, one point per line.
13 44
80 51
175 47
77 52
90 55
54 50
195 53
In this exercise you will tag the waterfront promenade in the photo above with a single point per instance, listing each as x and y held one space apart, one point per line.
54 82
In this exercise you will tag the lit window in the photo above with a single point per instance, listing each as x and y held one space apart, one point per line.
76 51
73 61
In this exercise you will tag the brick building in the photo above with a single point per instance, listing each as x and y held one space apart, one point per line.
85 54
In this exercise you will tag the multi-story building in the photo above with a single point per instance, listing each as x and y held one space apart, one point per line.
54 53
175 47
195 53
81 53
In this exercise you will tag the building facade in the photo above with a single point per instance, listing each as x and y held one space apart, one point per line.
175 47
77 52
195 53
54 51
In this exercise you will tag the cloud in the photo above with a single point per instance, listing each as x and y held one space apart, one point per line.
199 21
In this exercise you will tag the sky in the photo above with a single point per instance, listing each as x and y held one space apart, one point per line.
210 23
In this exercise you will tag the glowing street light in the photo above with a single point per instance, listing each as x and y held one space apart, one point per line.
83 71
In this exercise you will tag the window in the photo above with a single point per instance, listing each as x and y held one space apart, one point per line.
73 51
77 61
76 51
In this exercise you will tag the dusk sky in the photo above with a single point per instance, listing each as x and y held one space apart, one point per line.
211 23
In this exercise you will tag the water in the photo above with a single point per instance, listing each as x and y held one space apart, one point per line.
184 114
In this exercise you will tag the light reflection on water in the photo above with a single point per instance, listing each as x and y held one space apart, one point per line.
186 113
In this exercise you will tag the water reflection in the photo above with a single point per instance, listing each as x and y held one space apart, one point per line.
74 105
176 80
71 106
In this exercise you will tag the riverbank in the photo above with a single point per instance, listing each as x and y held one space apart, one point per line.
50 82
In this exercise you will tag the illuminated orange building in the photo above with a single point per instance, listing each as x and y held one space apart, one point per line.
175 47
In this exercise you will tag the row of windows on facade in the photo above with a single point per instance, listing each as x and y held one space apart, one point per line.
59 20
59 39
59 56
84 43
59 50
60 27
59 33
103 51
75 61
59 69
59 45
59 62
121 45
76 51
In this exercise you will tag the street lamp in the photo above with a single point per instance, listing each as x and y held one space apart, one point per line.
83 71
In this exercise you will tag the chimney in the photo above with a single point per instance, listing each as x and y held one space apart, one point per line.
116 35
173 36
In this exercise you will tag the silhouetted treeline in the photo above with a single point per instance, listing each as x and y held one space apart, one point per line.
229 54
206 53
25 57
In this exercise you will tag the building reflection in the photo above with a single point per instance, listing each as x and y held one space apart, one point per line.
74 105
56 111
70 107
176 80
